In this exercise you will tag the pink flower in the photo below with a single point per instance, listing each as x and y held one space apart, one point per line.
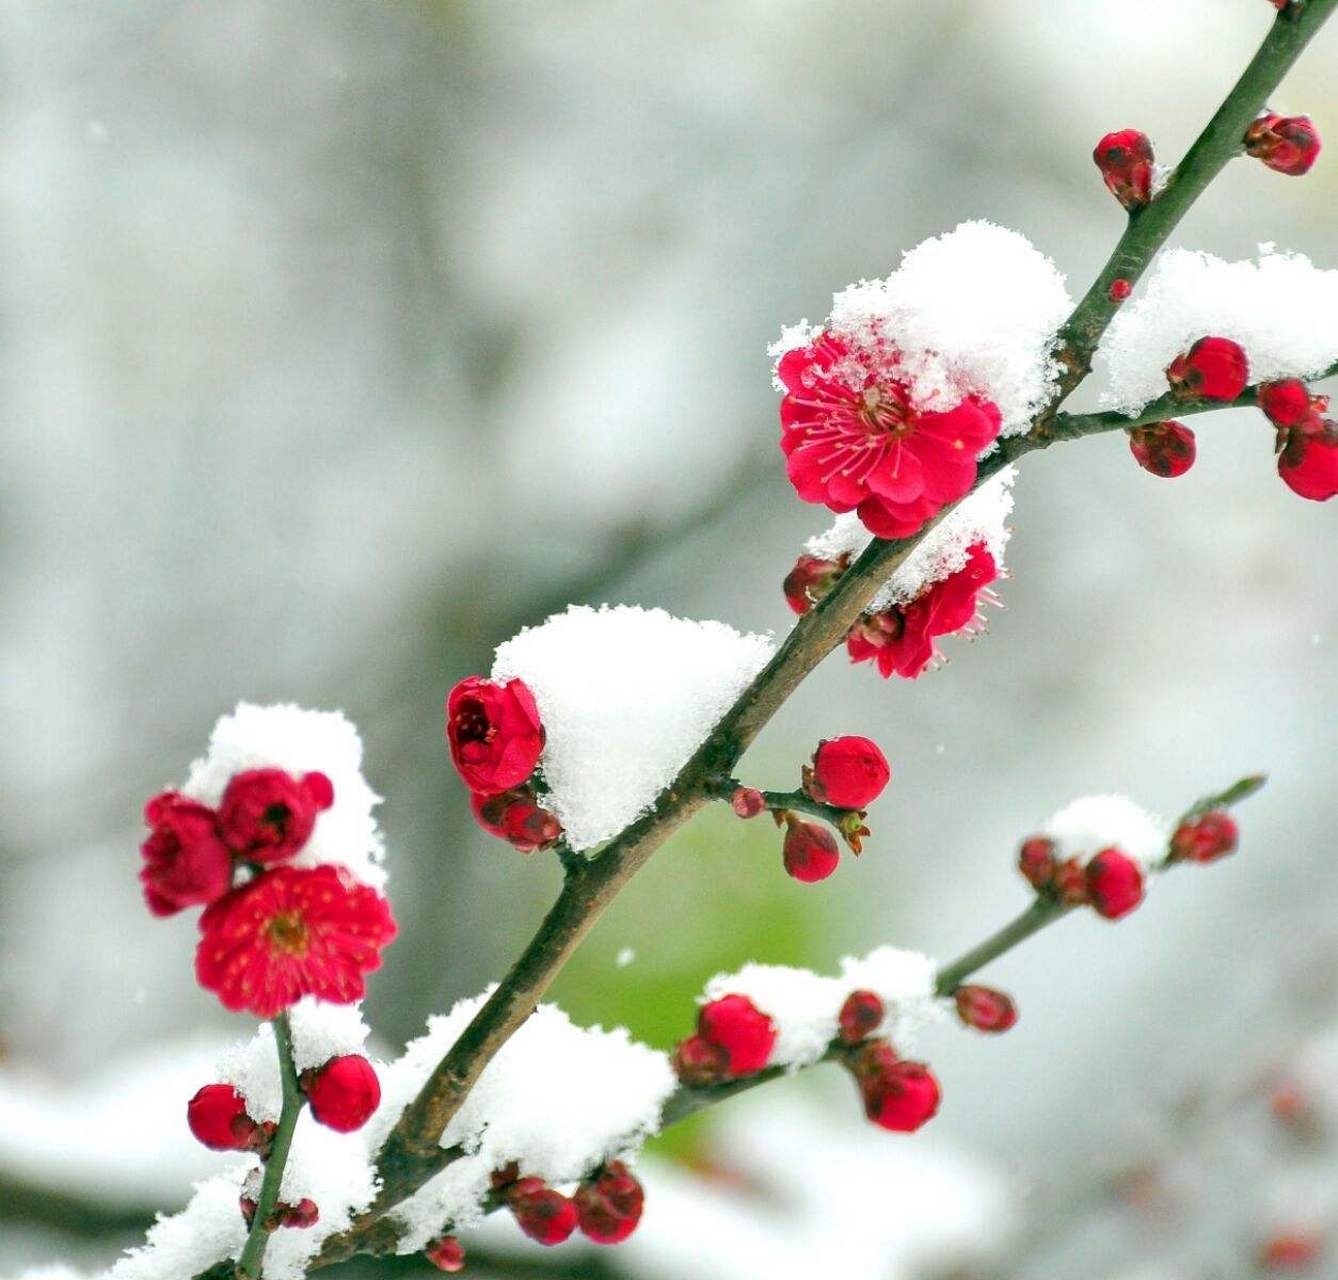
848 772
1125 160
854 441
1165 449
267 815
494 733
186 863
608 1207
1286 144
1212 369
292 932
900 639
343 1093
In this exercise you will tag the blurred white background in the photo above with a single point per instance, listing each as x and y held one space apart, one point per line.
342 339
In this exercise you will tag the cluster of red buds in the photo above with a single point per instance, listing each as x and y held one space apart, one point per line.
847 774
1307 441
343 1094
496 738
1110 882
1286 144
1126 163
283 931
900 639
606 1208
734 1038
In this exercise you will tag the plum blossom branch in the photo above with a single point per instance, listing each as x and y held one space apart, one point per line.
253 1253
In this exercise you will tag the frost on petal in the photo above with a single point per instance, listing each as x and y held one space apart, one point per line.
558 1098
805 1006
1282 309
974 311
626 696
1092 823
982 517
299 741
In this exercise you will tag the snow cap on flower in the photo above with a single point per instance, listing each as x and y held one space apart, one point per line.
626 696
1092 823
316 748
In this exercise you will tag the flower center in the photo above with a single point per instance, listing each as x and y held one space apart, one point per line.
472 724
276 817
288 932
882 412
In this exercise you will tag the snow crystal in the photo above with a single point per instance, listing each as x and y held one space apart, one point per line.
626 696
558 1098
320 1031
805 1006
981 517
1088 825
287 737
973 311
1283 310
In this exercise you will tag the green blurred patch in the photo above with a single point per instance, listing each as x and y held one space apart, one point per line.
712 899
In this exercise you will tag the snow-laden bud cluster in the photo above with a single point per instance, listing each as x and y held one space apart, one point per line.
273 834
938 590
624 696
1282 310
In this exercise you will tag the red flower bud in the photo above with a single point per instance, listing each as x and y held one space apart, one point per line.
860 1016
541 1213
1114 883
517 817
697 1061
248 1208
1205 838
494 733
811 578
1120 289
446 1254
304 1213
217 1117
810 852
1286 402
1070 883
267 815
985 1009
1125 160
898 1095
1308 463
1165 449
1286 144
609 1206
1036 861
848 772
186 863
343 1093
1212 369
745 1033
747 802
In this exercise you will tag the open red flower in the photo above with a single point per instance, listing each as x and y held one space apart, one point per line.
186 863
1308 462
494 733
900 639
292 932
267 815
854 441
